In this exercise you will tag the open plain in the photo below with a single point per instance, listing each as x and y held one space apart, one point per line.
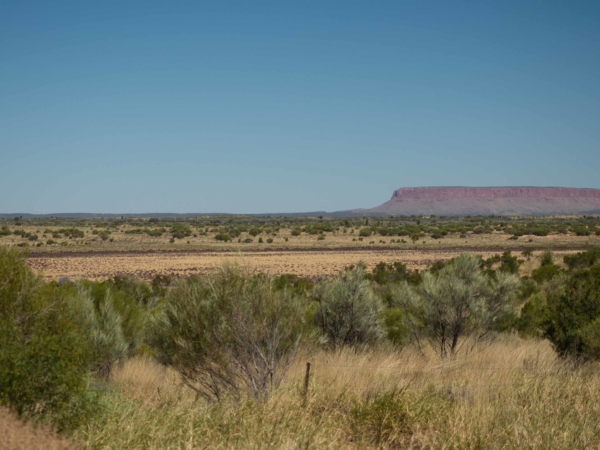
308 247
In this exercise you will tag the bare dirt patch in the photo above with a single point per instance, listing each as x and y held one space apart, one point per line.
303 263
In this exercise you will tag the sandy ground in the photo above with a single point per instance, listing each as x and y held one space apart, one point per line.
305 263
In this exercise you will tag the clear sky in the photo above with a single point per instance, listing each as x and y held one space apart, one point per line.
250 106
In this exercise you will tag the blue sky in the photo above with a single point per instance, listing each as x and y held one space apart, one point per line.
252 107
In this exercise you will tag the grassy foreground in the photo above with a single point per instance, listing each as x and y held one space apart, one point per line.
510 394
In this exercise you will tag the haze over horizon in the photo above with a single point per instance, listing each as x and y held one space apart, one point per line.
270 107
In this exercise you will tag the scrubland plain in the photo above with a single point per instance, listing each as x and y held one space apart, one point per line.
144 357
309 246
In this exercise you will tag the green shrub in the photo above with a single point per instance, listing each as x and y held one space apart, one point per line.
44 356
573 313
4 231
223 237
296 232
349 313
103 234
113 313
180 231
583 259
545 273
231 335
254 231
395 272
533 317
154 232
546 258
457 301
365 232
396 330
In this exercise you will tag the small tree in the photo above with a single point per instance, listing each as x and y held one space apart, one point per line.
349 312
456 302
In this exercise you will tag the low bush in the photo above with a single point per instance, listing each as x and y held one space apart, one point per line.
457 301
349 313
365 232
180 231
44 356
231 335
573 316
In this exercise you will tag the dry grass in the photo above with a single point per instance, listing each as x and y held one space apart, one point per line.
510 394
16 434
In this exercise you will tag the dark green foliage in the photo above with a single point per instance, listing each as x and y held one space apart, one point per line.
365 232
546 258
44 356
296 232
545 273
180 231
223 237
396 330
384 273
254 231
534 315
573 316
583 259
103 234
527 288
4 231
508 263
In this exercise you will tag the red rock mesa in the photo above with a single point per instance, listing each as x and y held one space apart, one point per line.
491 200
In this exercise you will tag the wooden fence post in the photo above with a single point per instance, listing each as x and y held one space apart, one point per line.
306 380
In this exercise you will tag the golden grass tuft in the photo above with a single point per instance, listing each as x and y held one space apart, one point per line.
510 394
16 434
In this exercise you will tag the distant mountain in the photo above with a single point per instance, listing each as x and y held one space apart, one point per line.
462 201
441 201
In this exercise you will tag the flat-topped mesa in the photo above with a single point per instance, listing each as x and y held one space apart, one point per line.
517 200
494 192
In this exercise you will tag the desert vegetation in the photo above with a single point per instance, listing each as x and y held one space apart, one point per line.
465 354
235 232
